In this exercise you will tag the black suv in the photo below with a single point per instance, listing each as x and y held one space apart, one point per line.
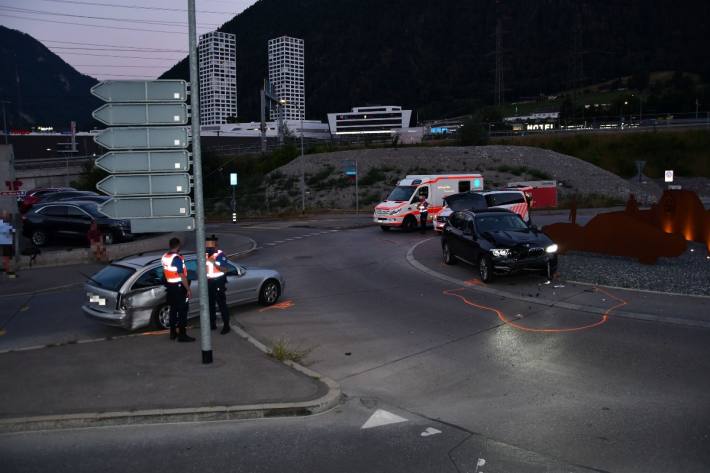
71 219
497 241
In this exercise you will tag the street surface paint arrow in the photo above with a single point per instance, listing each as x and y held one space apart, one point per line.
382 417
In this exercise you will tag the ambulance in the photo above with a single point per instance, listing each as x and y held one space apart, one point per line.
400 210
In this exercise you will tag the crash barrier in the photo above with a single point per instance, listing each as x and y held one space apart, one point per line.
661 231
47 258
544 193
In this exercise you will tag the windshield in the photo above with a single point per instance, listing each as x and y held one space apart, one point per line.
499 223
460 202
112 277
402 193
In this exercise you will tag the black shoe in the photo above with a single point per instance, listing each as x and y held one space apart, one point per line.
226 329
183 337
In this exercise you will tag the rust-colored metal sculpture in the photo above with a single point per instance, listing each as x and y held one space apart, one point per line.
660 231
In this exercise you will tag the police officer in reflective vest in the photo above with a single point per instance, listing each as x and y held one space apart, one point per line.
423 207
217 284
178 291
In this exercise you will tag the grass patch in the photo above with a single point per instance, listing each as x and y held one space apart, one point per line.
687 152
590 201
283 351
373 176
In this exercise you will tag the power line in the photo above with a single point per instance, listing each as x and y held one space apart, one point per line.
118 65
118 55
140 7
27 11
133 48
118 50
95 26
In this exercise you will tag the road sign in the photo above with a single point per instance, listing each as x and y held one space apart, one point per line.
141 90
147 207
144 161
172 137
233 178
171 224
146 184
668 175
142 114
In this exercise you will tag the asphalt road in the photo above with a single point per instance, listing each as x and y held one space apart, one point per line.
625 395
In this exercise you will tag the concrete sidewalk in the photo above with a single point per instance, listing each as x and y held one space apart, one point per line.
148 378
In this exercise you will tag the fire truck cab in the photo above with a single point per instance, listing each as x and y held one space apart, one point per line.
400 210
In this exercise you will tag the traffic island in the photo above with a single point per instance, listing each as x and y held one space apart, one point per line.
147 378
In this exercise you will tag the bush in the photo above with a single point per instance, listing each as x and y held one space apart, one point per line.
372 176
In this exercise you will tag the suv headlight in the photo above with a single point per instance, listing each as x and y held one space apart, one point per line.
500 252
551 249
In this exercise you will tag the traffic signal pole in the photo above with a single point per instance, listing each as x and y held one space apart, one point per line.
205 334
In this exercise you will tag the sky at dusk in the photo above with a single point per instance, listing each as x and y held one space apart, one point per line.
116 39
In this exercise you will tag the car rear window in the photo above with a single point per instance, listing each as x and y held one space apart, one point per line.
460 202
112 277
505 198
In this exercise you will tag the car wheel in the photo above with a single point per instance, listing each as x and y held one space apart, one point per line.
109 238
409 224
485 268
161 317
270 292
39 238
449 257
385 228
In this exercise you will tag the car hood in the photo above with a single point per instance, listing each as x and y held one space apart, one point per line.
509 239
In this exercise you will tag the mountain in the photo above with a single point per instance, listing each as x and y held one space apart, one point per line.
439 57
42 88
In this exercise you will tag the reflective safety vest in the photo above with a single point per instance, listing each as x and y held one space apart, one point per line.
423 207
171 272
213 270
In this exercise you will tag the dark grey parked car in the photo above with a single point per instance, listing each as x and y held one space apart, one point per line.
130 293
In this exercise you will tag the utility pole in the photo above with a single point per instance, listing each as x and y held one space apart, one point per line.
303 174
4 120
263 117
357 193
205 336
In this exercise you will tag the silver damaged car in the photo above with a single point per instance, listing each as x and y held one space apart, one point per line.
130 293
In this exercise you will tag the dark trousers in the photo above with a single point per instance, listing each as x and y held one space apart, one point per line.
423 217
218 297
177 300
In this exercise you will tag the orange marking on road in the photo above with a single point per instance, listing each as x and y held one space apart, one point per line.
604 318
281 306
474 282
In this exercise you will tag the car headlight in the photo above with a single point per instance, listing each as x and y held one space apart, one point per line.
551 249
500 252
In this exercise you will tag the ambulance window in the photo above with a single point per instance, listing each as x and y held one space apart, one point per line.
464 186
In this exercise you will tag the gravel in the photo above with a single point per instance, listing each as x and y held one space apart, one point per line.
686 274
576 175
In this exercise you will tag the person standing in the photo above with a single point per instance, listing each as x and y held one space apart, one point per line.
178 291
217 284
7 234
96 241
423 207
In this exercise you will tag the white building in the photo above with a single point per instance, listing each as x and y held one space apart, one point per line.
364 120
311 129
287 76
218 77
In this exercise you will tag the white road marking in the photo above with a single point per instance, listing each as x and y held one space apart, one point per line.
430 431
382 417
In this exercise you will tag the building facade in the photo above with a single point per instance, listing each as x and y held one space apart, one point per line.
287 77
218 77
382 119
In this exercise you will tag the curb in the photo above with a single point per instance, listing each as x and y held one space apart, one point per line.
188 414
548 302
253 245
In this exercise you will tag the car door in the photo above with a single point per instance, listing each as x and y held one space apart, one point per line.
147 293
469 242
453 233
191 265
241 286
54 219
77 222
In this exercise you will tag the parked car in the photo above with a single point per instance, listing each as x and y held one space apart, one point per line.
66 195
130 293
71 219
512 199
33 196
497 241
98 199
